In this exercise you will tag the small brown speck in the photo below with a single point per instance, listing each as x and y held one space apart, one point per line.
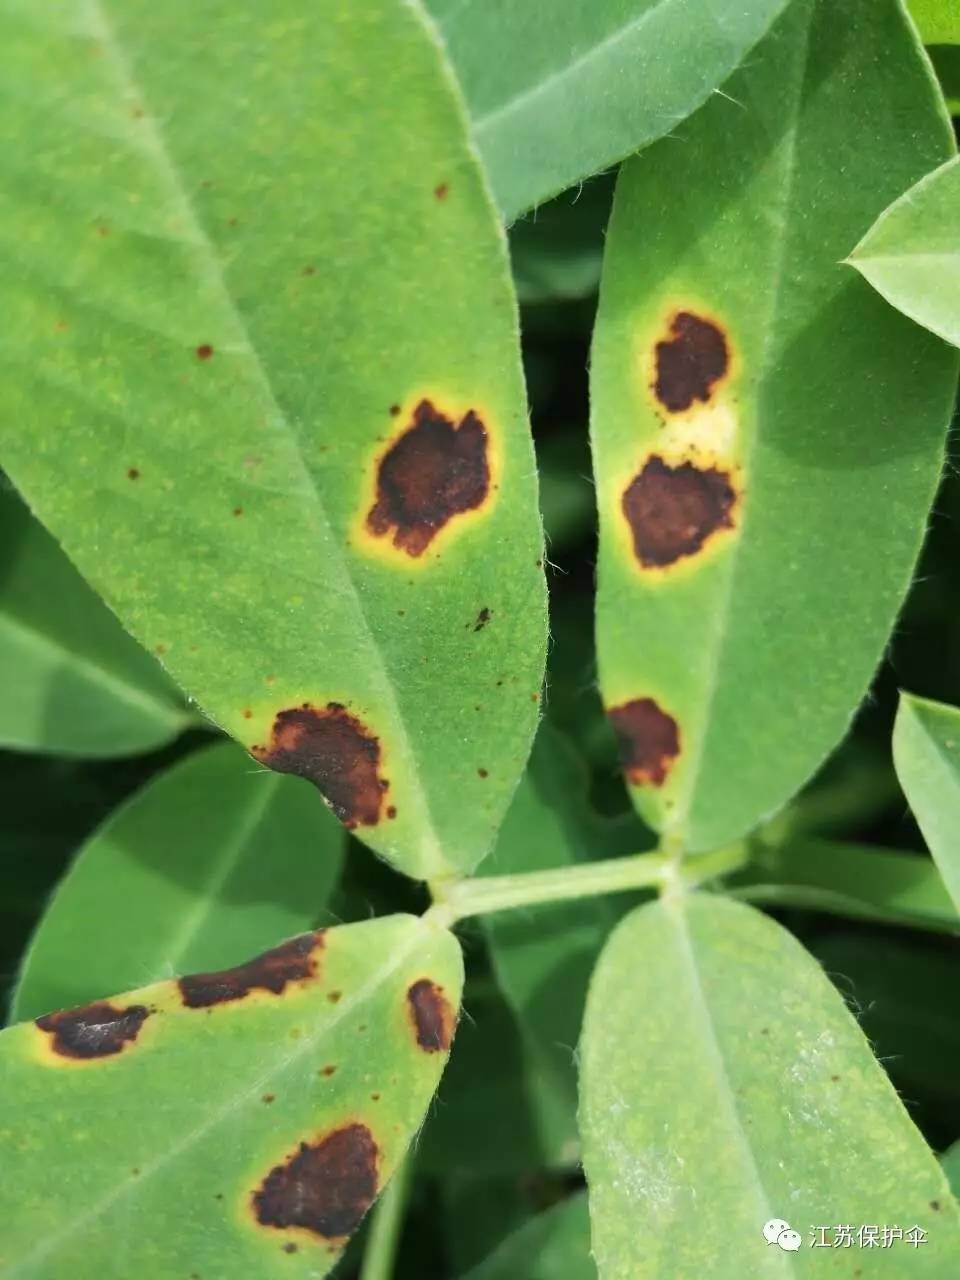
442 190
204 351
483 773
334 996
238 511
269 1097
374 1097
309 271
133 474
329 1069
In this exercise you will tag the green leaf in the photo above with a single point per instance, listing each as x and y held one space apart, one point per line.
767 436
74 683
911 254
938 21
178 1134
867 883
926 752
212 861
725 1084
559 91
951 1166
554 1245
219 330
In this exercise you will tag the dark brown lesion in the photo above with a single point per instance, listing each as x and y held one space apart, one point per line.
294 961
336 752
689 362
97 1030
325 1187
673 510
648 740
435 470
432 1014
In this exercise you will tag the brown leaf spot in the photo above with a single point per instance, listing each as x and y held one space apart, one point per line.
483 773
336 752
329 1069
325 1187
483 617
442 190
204 351
97 1030
292 961
433 1018
391 811
133 473
269 1097
648 740
238 511
672 511
690 362
432 472
334 996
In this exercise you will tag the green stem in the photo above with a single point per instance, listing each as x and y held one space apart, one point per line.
386 1222
659 870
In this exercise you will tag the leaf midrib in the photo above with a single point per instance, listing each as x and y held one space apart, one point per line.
676 914
724 611
95 672
521 100
431 860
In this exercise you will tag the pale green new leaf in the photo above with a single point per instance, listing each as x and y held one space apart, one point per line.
558 91
177 1139
554 1245
74 683
214 860
951 1166
911 254
253 288
725 1084
767 435
926 752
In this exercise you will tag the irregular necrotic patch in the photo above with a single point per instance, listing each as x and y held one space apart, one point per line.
433 1017
648 740
434 471
292 961
673 510
95 1031
690 362
336 752
325 1187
